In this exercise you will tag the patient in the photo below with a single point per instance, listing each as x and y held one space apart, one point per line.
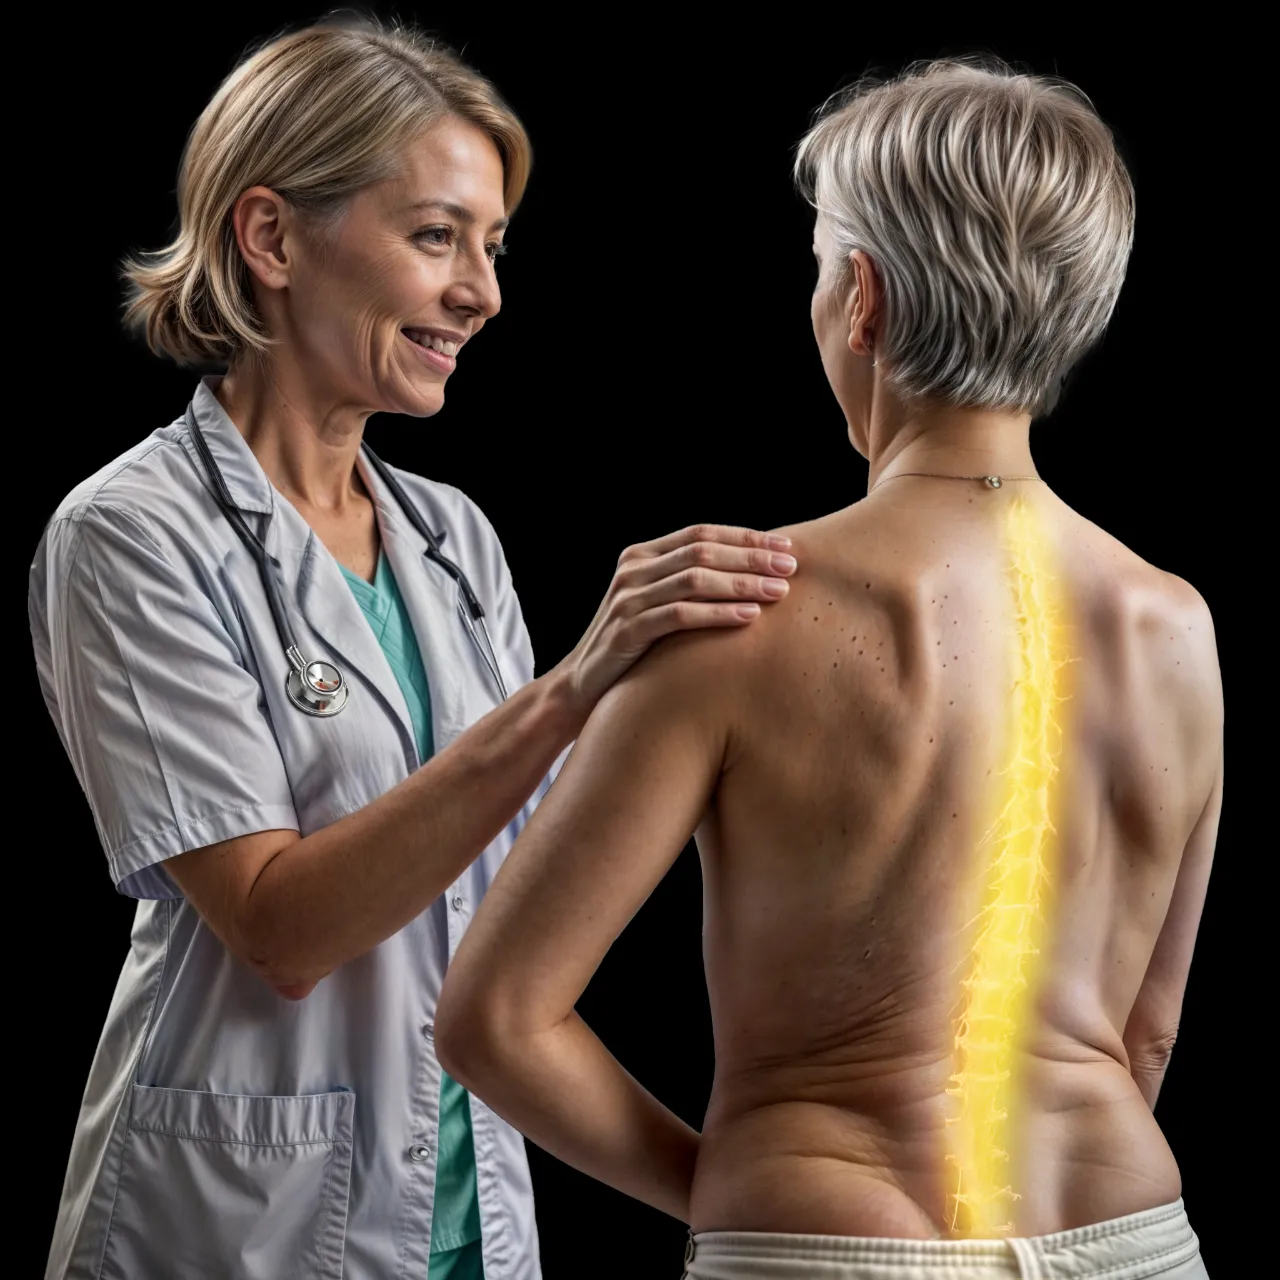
955 798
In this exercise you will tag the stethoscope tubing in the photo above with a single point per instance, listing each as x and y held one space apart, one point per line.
469 603
251 540
469 606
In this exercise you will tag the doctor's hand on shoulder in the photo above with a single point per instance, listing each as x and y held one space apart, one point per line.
290 907
702 576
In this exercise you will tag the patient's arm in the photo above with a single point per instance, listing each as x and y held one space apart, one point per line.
622 809
1152 1027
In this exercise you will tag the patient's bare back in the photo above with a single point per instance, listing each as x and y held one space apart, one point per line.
939 928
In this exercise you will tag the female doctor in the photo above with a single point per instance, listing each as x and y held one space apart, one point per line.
297 691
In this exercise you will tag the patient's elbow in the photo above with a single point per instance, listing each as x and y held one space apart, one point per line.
463 1036
469 1037
1151 1055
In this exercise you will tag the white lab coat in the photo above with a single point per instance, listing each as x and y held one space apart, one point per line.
226 1131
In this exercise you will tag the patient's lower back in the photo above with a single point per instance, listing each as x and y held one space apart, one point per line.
966 760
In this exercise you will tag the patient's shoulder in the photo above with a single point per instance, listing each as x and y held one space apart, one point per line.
697 664
724 662
702 664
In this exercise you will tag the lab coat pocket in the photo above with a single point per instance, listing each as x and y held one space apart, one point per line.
218 1184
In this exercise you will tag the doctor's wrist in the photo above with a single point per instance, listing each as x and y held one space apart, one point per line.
567 704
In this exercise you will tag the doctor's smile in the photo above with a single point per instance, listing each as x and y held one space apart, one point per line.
440 350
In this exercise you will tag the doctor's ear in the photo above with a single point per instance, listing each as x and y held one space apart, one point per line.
263 223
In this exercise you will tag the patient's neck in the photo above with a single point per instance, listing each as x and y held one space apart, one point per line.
944 440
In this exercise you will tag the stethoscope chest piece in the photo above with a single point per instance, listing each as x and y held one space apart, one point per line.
315 687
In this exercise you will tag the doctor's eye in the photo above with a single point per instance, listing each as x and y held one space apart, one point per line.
494 250
441 235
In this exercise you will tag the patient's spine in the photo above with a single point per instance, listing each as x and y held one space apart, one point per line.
999 988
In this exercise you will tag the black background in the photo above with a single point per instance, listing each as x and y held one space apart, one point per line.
653 366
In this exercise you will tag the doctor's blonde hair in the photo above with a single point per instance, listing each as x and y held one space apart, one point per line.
998 214
316 115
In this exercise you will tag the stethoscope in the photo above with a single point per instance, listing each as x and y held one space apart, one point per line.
317 687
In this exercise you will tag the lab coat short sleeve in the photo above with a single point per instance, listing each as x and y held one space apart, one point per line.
163 724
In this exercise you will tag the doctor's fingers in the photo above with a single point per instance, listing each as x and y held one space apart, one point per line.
649 627
694 561
701 534
701 585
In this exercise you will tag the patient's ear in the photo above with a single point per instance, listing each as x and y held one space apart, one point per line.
863 303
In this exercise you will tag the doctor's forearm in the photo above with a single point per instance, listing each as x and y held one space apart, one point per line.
566 1092
335 894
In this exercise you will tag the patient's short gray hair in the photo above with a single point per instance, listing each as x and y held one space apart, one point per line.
998 214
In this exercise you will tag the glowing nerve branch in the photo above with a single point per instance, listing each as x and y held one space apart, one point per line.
999 989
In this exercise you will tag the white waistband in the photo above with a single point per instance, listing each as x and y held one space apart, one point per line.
1127 1248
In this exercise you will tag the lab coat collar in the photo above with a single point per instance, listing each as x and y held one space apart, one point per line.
320 592
312 580
246 481
430 596
339 631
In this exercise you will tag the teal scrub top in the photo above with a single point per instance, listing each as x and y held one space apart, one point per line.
456 1220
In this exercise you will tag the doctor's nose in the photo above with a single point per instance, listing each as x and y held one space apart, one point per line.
475 291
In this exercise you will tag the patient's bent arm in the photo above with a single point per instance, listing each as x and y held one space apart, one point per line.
1152 1026
623 807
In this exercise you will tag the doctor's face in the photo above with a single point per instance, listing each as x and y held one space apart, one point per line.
382 308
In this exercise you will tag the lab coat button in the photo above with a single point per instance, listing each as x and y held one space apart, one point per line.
428 1030
419 1153
458 900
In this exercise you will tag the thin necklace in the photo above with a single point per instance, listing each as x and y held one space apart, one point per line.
992 482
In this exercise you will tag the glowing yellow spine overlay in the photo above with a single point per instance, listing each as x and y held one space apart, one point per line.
1000 986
